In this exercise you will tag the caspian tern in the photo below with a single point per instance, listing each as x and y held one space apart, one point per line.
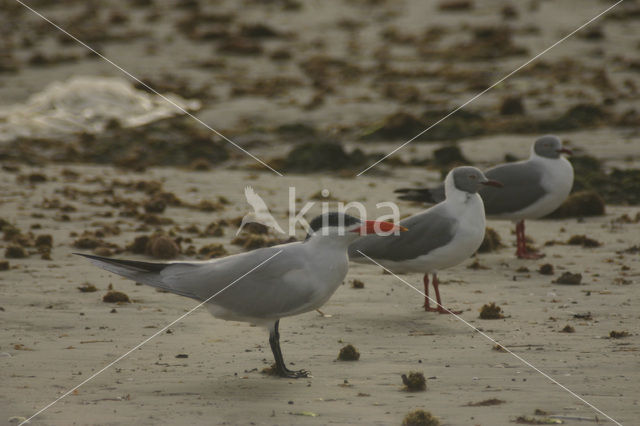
285 280
437 238
533 188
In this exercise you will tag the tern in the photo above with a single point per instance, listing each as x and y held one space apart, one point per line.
264 285
533 188
438 238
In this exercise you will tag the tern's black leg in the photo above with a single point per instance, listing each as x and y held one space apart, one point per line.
281 368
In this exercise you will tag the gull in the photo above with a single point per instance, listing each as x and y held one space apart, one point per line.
533 188
437 238
264 285
260 212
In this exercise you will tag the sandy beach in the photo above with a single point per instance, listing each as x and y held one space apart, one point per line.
326 73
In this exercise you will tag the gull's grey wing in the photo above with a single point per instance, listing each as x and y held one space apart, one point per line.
424 195
426 232
522 186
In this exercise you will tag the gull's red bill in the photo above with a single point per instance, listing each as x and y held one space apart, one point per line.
565 151
372 226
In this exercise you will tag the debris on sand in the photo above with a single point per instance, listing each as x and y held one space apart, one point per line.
618 334
114 296
476 265
486 403
211 251
583 240
568 329
546 269
312 157
449 155
44 241
253 241
15 252
163 247
4 265
158 245
512 105
499 348
569 279
526 420
580 204
87 288
586 317
455 5
400 125
357 284
491 241
349 353
420 418
414 382
491 311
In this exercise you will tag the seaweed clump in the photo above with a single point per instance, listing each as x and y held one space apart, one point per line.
491 311
618 334
491 241
420 418
569 279
580 204
584 241
546 269
415 382
349 353
313 157
114 296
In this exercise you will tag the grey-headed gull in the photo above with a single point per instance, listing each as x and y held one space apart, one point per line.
268 283
533 188
437 238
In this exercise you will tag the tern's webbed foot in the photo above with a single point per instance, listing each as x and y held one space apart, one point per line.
294 374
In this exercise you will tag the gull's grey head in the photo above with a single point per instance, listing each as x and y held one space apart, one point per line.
549 146
469 179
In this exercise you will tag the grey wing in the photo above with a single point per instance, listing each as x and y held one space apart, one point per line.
426 232
258 284
522 186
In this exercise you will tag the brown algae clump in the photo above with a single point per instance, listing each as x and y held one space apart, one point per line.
618 334
114 296
546 269
349 353
569 279
88 288
15 252
568 329
580 204
491 311
583 240
415 382
420 418
357 284
491 241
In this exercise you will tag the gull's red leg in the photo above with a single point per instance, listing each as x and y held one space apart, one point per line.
426 292
522 251
440 309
